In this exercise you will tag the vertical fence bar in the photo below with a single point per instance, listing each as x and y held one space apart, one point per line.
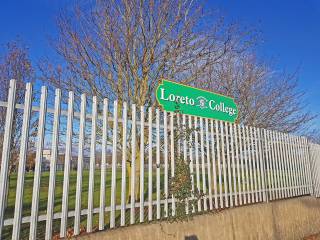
172 159
285 165
232 135
150 167
196 145
178 135
251 160
317 154
214 168
5 158
298 170
103 164
191 159
54 156
114 165
92 164
303 175
317 161
272 165
278 164
314 167
300 163
133 165
263 172
281 158
255 162
245 139
82 127
185 152
219 152
258 158
68 156
165 143
307 152
158 162
275 166
209 165
183 127
318 170
228 164
301 166
290 169
263 168
225 183
38 160
307 162
124 165
22 162
268 164
141 217
204 187
294 165
239 199
241 139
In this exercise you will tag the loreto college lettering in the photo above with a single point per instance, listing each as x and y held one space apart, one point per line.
175 97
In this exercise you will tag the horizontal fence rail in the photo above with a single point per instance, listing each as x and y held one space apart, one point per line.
100 164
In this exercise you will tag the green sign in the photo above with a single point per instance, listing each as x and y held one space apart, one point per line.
173 97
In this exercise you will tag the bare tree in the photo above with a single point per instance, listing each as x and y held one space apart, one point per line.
14 64
266 98
313 135
121 49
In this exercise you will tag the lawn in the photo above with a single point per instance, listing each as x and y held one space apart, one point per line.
27 199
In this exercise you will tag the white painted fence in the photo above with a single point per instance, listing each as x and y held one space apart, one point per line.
231 164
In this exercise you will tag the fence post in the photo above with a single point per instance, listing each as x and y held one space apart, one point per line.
133 164
81 140
142 145
66 173
6 150
37 171
22 162
123 165
103 164
92 163
264 163
309 159
114 165
54 156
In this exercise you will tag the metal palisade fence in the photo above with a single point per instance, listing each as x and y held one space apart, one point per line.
100 165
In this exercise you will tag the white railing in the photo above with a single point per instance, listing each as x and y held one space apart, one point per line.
230 164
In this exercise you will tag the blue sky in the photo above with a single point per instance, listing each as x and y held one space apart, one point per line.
290 32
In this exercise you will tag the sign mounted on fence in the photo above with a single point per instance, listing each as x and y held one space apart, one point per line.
174 97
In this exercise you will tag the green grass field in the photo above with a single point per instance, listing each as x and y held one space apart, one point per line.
27 199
